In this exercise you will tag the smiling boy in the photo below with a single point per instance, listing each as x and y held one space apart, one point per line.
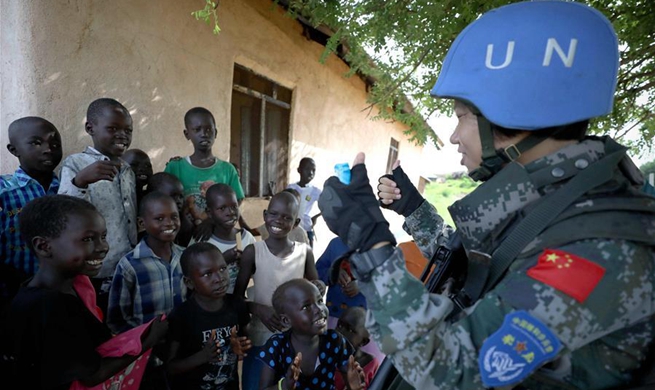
100 176
148 280
270 263
223 210
53 330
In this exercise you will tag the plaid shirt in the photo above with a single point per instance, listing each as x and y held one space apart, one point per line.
144 287
15 192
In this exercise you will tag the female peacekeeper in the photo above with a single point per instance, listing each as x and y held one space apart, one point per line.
559 239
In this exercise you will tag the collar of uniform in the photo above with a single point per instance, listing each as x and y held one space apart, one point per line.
482 216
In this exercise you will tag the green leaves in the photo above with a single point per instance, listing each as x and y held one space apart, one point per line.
408 39
399 46
208 14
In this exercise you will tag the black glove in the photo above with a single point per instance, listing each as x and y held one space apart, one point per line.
410 198
352 212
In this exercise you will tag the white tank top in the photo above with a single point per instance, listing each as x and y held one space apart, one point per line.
270 272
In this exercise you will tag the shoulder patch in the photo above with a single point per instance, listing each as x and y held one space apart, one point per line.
571 274
520 346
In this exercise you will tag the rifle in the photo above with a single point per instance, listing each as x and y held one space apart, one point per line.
443 267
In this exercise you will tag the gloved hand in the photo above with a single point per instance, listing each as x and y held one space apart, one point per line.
352 212
410 198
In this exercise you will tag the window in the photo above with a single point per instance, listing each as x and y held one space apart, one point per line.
393 154
261 110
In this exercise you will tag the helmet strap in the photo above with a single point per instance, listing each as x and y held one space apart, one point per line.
493 160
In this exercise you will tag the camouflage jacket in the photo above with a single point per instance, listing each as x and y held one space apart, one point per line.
604 338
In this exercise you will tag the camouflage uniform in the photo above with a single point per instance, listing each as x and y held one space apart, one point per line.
605 338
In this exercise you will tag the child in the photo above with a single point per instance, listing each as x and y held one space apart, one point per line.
270 263
200 354
37 145
197 213
308 196
297 234
148 280
223 209
53 332
100 176
351 325
172 186
307 355
142 168
344 293
202 165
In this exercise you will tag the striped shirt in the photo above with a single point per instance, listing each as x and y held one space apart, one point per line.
144 286
15 192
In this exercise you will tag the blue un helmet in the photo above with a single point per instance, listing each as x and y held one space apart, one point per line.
530 66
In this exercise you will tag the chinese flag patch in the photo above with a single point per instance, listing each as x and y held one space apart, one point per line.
568 273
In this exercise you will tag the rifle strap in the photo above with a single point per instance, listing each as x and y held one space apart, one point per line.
484 278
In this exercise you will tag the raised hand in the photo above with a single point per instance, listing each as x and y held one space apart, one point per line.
211 350
240 344
203 230
293 372
355 377
232 255
99 170
269 318
352 211
396 192
155 334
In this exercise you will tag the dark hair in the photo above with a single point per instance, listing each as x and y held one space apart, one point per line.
47 216
288 198
97 107
293 192
16 126
194 250
150 197
306 160
197 111
279 295
219 189
358 311
160 178
574 131
134 153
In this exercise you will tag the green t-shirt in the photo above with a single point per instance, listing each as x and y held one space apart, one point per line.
193 178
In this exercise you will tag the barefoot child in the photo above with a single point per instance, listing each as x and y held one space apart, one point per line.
308 354
53 329
200 350
270 263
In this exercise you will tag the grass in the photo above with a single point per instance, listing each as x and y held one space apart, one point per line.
443 194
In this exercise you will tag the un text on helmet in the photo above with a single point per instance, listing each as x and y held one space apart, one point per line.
551 46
